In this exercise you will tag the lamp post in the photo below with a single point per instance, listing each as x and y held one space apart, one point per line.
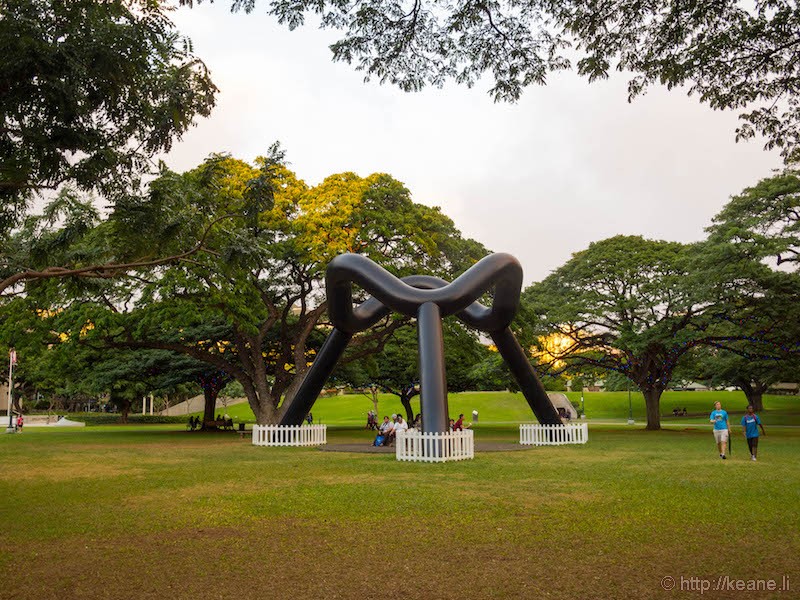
583 409
12 360
630 405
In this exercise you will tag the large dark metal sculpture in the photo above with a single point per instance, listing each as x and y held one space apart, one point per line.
429 299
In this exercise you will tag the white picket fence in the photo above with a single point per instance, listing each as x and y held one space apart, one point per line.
553 435
290 435
435 447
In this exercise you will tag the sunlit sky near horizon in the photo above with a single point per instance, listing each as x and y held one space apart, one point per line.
569 164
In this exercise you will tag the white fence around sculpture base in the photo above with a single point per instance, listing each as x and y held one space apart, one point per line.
435 447
553 435
290 435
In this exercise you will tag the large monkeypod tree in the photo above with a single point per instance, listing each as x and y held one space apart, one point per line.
638 306
259 277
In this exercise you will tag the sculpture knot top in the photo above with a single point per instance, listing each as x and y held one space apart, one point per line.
501 272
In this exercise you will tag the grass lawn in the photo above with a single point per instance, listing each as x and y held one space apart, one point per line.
507 408
156 512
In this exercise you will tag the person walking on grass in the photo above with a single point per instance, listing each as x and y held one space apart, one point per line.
750 425
722 428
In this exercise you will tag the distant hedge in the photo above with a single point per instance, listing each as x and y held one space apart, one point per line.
116 419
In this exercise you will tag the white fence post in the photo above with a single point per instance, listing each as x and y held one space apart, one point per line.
414 445
553 435
290 435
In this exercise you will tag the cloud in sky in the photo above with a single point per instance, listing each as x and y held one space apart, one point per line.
569 164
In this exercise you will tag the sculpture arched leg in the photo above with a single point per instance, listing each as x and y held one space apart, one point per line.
526 377
324 364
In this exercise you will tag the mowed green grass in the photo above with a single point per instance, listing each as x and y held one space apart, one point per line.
509 408
156 512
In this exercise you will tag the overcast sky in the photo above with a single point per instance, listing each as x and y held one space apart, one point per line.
569 164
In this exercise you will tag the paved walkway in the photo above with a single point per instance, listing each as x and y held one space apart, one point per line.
367 449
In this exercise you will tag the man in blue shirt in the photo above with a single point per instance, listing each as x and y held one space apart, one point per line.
750 425
721 428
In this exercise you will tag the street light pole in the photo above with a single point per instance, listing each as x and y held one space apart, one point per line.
12 359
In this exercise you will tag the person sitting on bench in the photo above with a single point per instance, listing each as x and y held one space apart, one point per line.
383 432
400 425
459 425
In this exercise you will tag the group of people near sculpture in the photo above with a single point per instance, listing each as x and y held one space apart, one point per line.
390 427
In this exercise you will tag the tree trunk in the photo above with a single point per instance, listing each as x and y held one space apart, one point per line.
268 400
374 391
652 402
405 400
125 408
753 391
266 414
263 407
210 393
755 396
406 394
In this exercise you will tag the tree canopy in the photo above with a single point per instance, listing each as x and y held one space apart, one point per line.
89 92
54 360
733 56
763 222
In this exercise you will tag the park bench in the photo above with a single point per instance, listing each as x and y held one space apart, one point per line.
219 424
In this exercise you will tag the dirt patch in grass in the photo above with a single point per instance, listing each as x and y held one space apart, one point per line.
532 495
295 559
67 470
174 498
356 479
156 441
